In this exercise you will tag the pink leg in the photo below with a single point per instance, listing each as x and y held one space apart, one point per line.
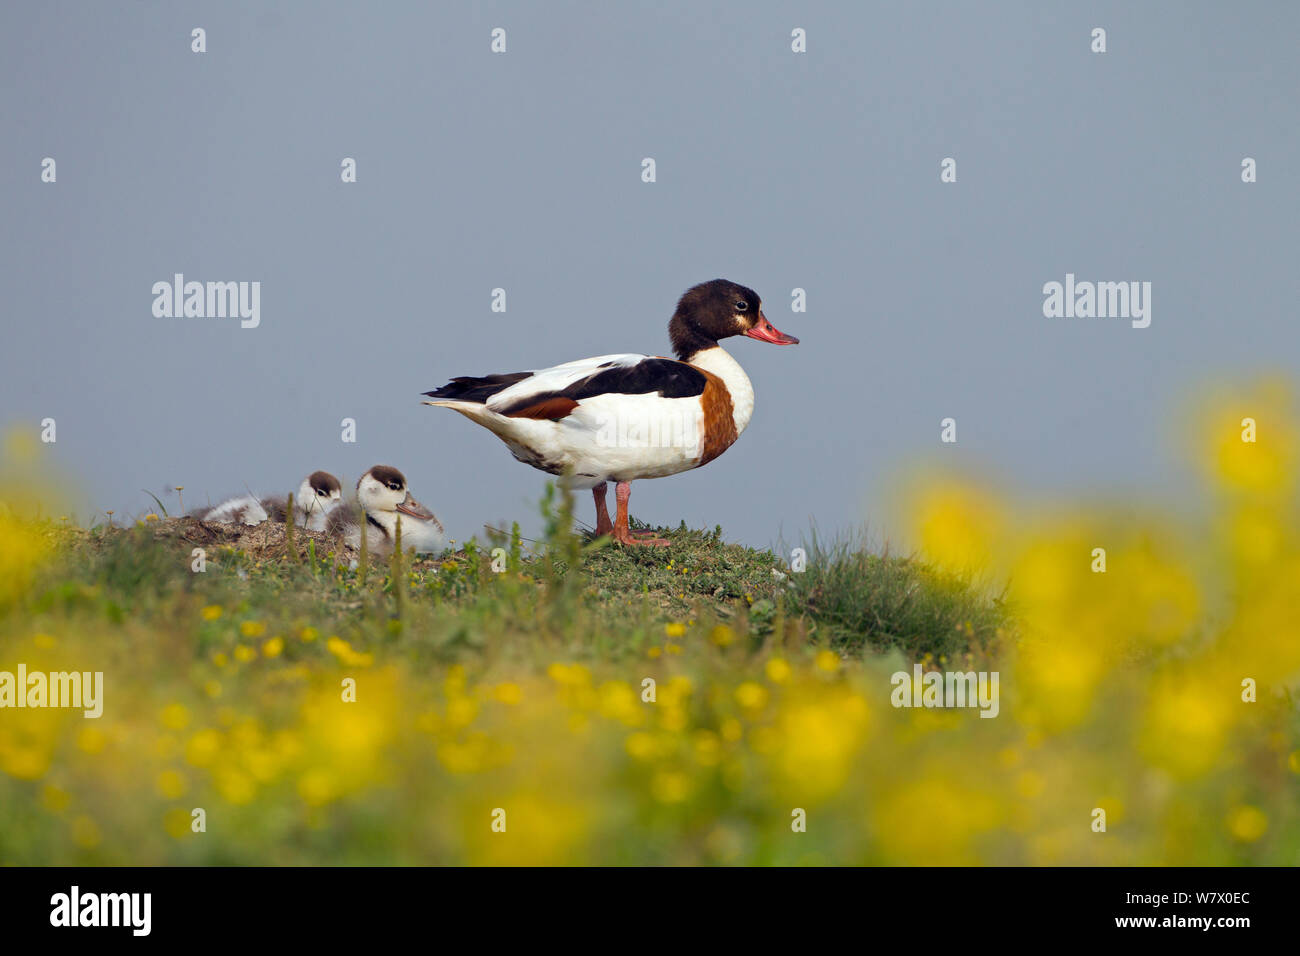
622 492
603 524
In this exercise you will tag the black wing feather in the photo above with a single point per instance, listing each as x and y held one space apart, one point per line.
668 377
468 388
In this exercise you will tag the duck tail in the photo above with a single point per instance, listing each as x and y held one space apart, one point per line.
474 389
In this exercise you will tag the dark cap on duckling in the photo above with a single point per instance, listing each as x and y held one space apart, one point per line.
386 475
323 483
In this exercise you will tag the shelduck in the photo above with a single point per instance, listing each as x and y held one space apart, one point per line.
624 417
383 497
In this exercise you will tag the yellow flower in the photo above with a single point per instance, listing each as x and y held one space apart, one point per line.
777 670
508 694
670 786
211 612
172 784
202 748
234 785
461 711
827 661
343 651
244 653
751 696
675 629
22 549
1247 823
274 647
175 717
957 524
318 787
722 636
252 628
640 745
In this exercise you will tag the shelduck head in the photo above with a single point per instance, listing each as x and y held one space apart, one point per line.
383 495
715 310
319 491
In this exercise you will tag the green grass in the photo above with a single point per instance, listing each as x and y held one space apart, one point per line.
586 596
865 601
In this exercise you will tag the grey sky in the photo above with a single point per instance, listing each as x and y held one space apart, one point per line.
522 171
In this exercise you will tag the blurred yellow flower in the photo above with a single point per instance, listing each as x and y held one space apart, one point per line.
508 693
1249 440
640 745
777 670
172 784
202 748
751 696
175 717
344 653
957 525
1247 823
669 786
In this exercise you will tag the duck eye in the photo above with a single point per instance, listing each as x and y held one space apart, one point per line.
741 305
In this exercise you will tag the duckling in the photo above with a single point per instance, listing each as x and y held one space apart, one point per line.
242 509
383 496
318 495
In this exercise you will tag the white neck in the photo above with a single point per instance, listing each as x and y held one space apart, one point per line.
718 362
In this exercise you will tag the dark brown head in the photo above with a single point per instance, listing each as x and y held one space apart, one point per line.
382 490
385 475
324 485
715 310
